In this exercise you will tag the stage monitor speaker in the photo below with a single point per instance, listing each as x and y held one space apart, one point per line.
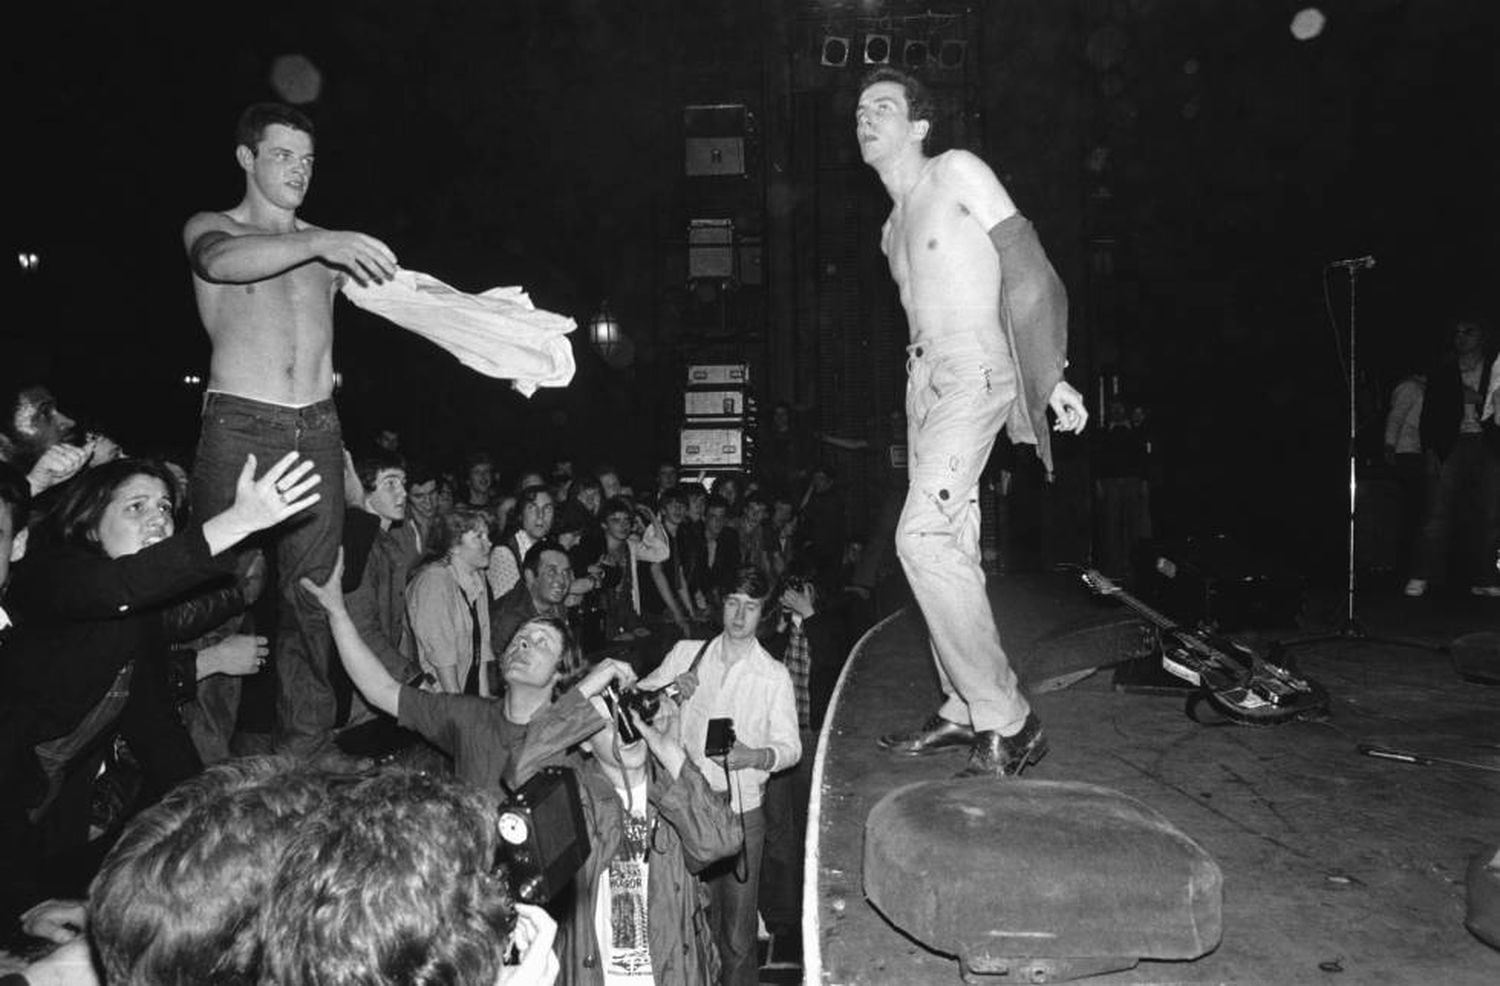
705 447
718 374
715 156
711 249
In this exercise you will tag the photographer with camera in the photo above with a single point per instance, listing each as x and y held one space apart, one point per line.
738 722
490 740
653 823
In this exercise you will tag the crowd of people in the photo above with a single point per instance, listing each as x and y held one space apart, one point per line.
476 628
435 638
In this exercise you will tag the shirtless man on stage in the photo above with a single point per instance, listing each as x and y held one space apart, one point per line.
988 321
264 281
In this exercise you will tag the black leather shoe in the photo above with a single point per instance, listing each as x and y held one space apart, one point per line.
936 735
993 755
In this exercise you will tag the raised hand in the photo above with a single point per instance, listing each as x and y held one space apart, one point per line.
58 463
331 593
364 257
284 490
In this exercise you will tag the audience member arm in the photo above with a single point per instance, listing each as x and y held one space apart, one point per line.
374 682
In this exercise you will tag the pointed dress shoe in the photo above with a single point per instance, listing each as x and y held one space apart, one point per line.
936 735
993 755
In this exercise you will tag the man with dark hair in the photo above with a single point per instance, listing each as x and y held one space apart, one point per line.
1462 451
669 575
42 441
390 885
719 554
264 280
491 742
546 577
732 676
177 898
988 321
537 513
380 552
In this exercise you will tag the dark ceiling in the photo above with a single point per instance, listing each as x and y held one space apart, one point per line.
530 141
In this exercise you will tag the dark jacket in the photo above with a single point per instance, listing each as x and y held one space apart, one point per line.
81 617
1443 408
693 827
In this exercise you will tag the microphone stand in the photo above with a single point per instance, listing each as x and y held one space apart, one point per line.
1351 628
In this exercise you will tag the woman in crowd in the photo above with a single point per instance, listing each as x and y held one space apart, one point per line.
89 656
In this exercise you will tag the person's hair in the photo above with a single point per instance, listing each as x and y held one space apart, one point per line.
75 517
258 116
750 581
390 884
449 528
177 898
369 467
759 496
15 493
673 494
715 500
480 458
419 472
616 505
571 667
530 494
919 102
586 483
533 560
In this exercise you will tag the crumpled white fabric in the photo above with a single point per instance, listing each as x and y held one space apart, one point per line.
499 332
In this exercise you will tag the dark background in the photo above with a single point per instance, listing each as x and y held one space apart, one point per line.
1191 167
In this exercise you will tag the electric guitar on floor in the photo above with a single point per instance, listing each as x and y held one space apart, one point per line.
1234 680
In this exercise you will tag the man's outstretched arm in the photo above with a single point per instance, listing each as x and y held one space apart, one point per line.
222 252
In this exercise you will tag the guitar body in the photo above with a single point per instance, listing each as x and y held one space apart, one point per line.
1232 679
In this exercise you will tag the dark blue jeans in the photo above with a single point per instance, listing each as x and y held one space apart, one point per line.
1469 476
305 545
733 905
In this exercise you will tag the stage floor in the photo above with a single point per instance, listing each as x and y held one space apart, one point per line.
1333 862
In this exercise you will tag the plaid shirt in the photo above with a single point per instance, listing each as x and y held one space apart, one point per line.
798 661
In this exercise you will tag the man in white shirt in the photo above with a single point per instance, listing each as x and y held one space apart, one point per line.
733 677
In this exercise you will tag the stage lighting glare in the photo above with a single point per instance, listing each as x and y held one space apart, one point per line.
835 52
877 49
1308 23
296 79
29 261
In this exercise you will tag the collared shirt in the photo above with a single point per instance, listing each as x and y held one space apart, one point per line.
755 691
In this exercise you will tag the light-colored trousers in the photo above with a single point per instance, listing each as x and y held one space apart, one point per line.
956 403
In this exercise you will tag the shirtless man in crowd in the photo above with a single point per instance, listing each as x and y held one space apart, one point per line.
988 321
264 280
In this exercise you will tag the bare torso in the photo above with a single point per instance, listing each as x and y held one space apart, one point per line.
943 262
272 338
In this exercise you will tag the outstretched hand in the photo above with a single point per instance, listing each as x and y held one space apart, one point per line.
331 593
1068 405
364 257
284 490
